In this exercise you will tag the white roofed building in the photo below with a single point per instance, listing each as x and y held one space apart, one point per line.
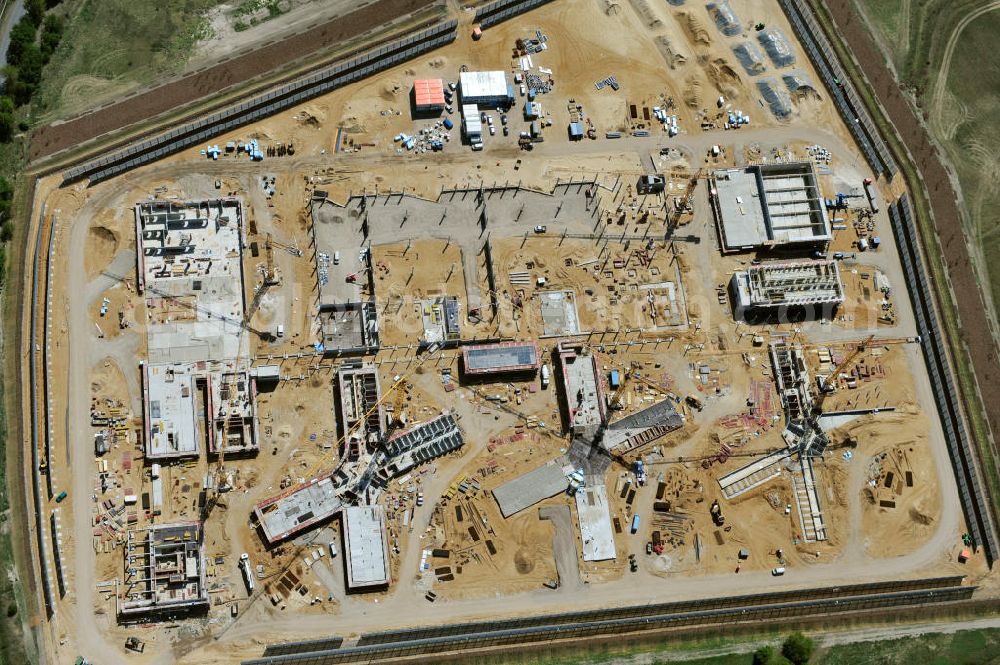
487 88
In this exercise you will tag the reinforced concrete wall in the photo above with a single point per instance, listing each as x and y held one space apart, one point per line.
976 503
500 10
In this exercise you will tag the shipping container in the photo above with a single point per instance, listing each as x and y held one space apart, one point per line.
635 524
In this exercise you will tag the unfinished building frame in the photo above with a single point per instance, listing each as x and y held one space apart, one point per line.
164 570
362 415
766 206
800 289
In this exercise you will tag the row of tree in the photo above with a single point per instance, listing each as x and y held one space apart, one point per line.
33 40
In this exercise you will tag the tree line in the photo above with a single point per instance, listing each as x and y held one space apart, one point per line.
33 40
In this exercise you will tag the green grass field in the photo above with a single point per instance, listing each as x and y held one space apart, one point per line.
963 122
964 119
112 47
973 647
967 129
886 17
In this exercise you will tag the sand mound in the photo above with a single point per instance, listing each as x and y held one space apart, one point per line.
670 53
438 63
523 562
352 125
695 29
102 239
390 90
645 12
311 117
725 78
919 516
102 245
663 563
692 92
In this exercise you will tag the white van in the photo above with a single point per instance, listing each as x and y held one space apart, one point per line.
778 571
336 258
281 330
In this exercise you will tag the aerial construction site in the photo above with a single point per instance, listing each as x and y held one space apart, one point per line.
527 320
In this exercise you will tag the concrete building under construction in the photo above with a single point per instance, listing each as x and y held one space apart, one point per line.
232 413
767 206
164 571
190 270
189 405
362 415
298 509
800 289
584 405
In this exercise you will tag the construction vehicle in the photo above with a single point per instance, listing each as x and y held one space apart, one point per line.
840 203
135 644
717 517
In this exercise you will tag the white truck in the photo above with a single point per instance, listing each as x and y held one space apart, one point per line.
247 572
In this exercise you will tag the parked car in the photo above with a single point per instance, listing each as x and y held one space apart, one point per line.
540 229
777 572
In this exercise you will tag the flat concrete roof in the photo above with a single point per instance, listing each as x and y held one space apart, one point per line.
559 316
582 385
596 534
191 273
298 509
366 551
767 205
170 402
530 488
